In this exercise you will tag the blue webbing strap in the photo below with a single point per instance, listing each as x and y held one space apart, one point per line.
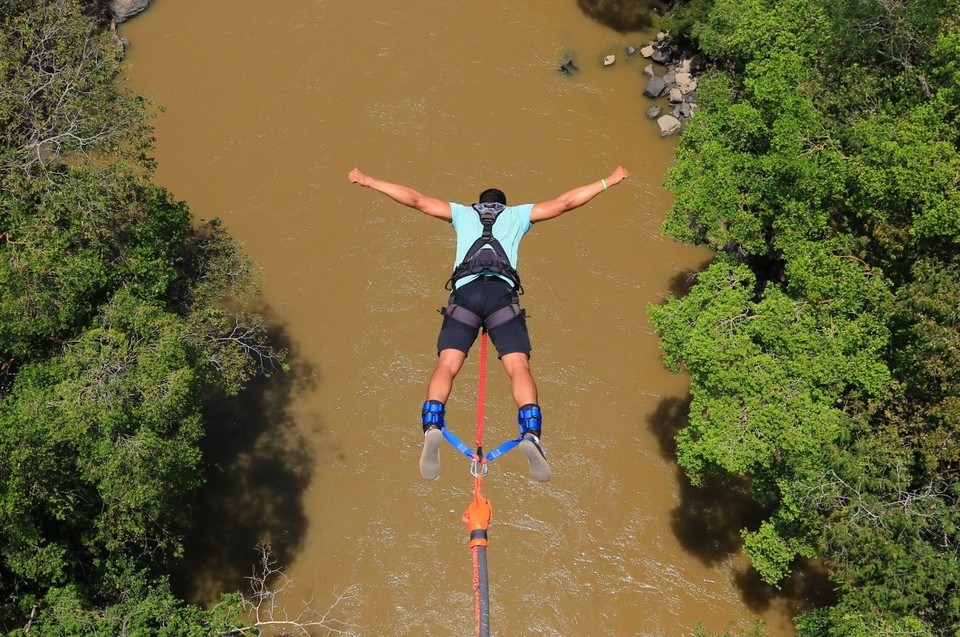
460 446
502 449
457 443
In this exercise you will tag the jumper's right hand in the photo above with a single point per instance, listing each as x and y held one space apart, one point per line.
357 176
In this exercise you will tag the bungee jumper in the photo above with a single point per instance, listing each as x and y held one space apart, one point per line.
484 295
484 298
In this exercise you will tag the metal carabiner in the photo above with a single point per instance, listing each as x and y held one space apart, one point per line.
478 467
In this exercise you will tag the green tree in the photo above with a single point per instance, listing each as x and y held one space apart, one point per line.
117 318
821 342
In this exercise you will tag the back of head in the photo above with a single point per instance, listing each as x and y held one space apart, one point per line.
493 195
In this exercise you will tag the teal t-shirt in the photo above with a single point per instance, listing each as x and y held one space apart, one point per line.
511 225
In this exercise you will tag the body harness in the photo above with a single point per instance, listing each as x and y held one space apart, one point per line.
485 257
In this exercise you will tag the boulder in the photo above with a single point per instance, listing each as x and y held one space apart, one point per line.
668 125
676 96
660 56
654 112
647 51
648 70
655 87
121 10
609 60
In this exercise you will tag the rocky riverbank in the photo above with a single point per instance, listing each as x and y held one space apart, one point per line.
673 73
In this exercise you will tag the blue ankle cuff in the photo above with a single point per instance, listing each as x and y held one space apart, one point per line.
530 420
432 415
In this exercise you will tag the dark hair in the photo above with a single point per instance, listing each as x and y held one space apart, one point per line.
492 195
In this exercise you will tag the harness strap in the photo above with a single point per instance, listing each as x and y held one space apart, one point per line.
486 254
458 444
465 316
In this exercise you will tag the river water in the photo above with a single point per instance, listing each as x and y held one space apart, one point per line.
268 105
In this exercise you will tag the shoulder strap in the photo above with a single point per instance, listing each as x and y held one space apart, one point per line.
478 259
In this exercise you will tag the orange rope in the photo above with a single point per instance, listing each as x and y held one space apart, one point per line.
479 514
477 517
482 390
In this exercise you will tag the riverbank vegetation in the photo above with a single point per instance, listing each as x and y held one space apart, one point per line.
823 341
119 317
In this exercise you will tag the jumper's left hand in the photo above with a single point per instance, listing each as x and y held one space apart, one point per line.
619 174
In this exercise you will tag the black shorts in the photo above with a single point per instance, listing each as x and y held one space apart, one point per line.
483 297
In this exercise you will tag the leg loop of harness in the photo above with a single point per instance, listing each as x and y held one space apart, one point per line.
462 314
503 315
433 415
465 316
530 420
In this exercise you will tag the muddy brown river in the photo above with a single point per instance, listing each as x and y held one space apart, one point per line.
268 105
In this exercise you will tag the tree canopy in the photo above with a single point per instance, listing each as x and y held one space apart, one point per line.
821 342
118 317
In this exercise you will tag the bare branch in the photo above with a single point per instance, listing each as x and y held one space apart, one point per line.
268 583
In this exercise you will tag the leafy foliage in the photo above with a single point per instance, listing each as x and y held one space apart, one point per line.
821 342
117 318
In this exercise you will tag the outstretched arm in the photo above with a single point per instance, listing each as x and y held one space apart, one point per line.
576 197
404 194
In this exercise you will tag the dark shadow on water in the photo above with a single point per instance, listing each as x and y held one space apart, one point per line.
666 422
257 468
708 520
683 281
623 16
807 587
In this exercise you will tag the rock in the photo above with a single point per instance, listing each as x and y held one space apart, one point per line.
660 56
121 10
631 50
678 83
668 125
123 43
655 87
686 82
568 67
610 59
